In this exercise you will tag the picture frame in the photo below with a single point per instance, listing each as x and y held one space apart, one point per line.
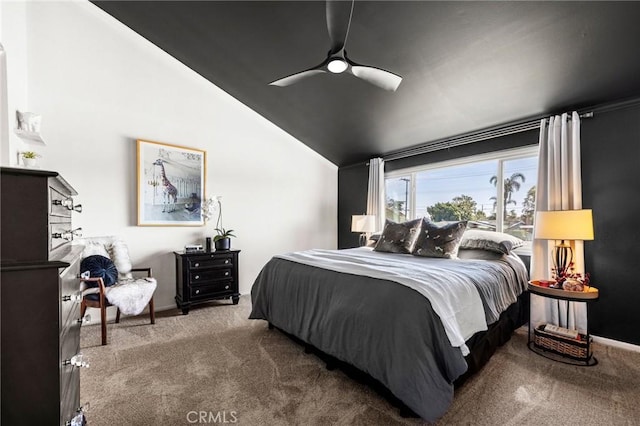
171 184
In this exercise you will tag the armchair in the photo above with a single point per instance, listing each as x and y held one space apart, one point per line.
129 294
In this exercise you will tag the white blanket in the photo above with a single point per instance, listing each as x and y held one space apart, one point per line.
129 295
447 284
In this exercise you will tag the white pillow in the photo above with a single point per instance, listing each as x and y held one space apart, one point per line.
498 242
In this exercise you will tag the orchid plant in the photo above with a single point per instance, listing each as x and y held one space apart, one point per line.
210 208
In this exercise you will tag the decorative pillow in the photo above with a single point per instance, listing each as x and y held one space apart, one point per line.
398 237
490 240
99 267
439 241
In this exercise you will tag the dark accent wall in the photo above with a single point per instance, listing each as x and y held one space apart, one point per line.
610 186
352 199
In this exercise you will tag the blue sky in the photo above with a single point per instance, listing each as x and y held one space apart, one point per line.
441 185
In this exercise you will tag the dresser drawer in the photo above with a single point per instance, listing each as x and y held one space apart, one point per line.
59 233
56 200
211 290
210 261
69 346
70 294
207 276
70 399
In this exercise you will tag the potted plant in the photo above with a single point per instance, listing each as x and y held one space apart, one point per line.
29 158
222 241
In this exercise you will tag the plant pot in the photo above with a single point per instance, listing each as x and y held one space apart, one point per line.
30 162
223 244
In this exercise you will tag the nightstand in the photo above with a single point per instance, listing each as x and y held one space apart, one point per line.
205 276
567 349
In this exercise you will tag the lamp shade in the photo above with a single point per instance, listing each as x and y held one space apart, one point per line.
564 225
363 223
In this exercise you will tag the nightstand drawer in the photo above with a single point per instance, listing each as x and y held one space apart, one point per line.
210 261
209 290
209 275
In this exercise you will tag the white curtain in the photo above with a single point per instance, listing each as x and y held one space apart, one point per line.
559 188
375 192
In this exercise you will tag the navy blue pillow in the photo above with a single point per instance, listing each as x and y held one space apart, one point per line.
100 267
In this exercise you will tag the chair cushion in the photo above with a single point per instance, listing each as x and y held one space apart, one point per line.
92 296
99 267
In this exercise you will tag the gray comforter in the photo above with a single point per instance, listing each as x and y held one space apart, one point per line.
382 327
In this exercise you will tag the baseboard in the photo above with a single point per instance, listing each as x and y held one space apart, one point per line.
166 307
616 343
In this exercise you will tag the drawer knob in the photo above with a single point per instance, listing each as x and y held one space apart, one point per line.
79 418
198 291
196 265
76 361
226 287
66 235
226 261
85 319
72 298
67 202
197 277
226 274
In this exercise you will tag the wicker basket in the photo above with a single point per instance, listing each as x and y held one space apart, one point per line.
565 346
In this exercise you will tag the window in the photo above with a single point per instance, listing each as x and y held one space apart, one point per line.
397 191
467 189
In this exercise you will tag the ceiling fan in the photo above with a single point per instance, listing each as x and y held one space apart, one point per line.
338 22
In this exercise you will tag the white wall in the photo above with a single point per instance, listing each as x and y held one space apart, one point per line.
13 36
99 87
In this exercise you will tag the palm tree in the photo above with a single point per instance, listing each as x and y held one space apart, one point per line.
511 185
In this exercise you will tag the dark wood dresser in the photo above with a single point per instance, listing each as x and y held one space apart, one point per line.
205 276
39 300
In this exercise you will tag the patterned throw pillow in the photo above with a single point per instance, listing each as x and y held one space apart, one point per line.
490 240
398 237
439 241
99 267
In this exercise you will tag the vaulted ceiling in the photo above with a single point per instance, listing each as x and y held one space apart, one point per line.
466 66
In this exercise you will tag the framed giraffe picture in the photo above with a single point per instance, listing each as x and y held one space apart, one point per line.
170 184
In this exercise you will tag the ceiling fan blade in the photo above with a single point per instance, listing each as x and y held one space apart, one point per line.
294 78
338 22
376 76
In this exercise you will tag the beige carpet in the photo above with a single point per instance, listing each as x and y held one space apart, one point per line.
217 364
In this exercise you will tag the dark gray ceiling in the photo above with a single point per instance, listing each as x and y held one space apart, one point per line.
466 65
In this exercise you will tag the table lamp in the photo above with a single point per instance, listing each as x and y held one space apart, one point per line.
363 224
561 225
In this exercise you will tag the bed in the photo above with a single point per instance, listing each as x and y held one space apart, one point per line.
415 324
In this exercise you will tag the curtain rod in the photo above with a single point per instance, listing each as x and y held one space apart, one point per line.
490 133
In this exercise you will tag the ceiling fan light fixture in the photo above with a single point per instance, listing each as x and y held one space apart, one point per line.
337 65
